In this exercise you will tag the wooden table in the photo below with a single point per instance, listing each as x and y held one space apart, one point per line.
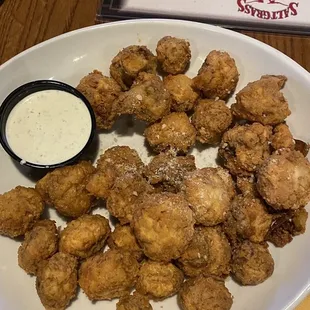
24 23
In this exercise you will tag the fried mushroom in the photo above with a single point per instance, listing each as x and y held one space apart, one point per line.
159 280
173 54
20 208
122 238
101 92
168 170
129 62
39 244
125 194
114 162
108 275
247 185
64 189
209 253
251 216
173 132
163 226
282 138
244 148
135 301
147 99
211 119
209 192
218 76
183 96
252 263
284 180
261 101
56 281
204 293
84 236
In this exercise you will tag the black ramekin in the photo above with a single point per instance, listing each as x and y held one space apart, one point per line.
23 91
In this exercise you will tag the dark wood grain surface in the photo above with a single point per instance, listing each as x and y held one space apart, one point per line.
24 23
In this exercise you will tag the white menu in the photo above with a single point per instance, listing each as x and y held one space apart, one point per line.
282 15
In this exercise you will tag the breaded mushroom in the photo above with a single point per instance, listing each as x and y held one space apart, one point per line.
218 76
282 138
57 281
261 101
252 263
101 92
173 54
209 192
173 132
247 185
39 244
147 99
84 236
163 226
211 119
244 148
209 253
251 216
135 301
124 196
159 280
205 293
286 225
114 162
129 62
20 208
284 180
108 275
167 170
183 96
64 189
122 238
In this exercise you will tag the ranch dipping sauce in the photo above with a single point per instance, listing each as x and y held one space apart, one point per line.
48 127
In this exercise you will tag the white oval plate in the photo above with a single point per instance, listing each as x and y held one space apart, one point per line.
71 56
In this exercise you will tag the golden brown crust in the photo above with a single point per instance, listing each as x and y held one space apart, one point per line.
124 196
147 99
57 281
282 138
252 263
101 92
205 293
284 180
209 192
135 301
159 280
252 218
64 189
261 101
173 132
20 208
168 170
211 119
173 54
218 76
209 253
183 96
108 275
163 226
39 244
286 225
247 185
114 162
129 62
244 148
84 236
122 238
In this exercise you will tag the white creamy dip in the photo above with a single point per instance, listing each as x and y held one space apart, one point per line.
48 127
